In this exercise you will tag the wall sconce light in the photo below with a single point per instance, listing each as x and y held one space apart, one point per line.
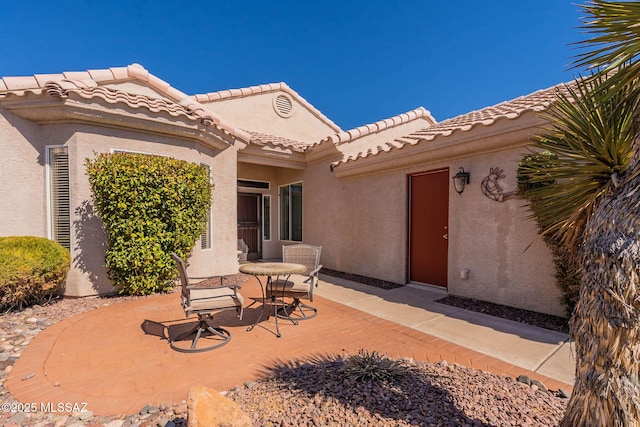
460 180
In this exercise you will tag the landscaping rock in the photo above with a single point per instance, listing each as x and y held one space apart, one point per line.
207 408
538 384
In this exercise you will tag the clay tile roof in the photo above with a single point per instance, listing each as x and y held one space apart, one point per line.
90 90
132 72
266 139
537 101
534 102
378 126
264 88
87 85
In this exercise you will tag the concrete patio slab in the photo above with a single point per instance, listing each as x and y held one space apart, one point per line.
513 342
532 348
557 365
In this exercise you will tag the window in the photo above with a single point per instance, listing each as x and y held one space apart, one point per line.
247 183
291 212
266 217
58 195
205 237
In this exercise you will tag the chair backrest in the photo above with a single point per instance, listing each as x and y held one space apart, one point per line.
184 278
307 255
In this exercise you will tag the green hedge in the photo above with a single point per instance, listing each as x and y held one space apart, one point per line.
32 270
150 206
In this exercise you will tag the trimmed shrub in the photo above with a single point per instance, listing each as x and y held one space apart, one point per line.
150 206
32 270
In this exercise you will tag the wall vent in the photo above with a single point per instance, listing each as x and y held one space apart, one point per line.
283 105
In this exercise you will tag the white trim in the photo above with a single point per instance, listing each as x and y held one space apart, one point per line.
47 187
290 207
265 197
244 189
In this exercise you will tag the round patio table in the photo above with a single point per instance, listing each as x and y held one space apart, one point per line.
270 270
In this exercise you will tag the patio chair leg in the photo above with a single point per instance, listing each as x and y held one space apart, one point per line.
289 312
285 312
222 337
304 315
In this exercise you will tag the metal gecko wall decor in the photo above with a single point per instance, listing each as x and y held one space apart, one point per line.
492 189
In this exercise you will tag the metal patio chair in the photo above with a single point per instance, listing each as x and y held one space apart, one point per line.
204 302
298 286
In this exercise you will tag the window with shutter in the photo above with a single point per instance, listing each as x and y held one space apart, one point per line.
205 238
59 206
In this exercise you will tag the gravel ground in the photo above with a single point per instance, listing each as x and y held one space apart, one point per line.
314 393
319 393
546 321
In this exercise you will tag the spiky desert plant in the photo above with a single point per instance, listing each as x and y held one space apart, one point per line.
590 137
584 150
372 366
606 321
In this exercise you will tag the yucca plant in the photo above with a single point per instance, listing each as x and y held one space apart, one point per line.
585 149
614 49
372 366
590 141
606 322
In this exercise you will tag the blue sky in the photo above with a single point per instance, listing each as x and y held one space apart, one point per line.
356 61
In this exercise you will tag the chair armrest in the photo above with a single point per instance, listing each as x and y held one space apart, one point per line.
316 271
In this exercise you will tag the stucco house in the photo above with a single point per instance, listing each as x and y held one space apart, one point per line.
380 198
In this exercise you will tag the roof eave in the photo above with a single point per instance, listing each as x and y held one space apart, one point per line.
351 135
271 155
45 110
502 134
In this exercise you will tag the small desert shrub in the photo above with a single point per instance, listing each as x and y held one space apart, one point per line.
32 270
372 366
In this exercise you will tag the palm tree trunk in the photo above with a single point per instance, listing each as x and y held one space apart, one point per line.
606 322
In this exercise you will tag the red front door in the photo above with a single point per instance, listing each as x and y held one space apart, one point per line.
428 227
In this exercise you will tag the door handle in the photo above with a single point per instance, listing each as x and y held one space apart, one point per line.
445 236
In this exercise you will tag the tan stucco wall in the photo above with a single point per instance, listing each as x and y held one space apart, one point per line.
359 222
256 113
362 223
507 262
220 259
22 177
23 188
